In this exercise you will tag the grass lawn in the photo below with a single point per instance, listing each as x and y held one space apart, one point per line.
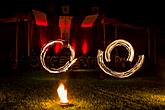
36 90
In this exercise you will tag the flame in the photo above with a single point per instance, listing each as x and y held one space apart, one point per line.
62 93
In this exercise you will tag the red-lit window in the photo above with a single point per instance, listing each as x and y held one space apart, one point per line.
40 18
89 21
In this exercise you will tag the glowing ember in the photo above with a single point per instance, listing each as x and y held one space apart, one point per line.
62 93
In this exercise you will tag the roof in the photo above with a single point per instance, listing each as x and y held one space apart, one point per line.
142 12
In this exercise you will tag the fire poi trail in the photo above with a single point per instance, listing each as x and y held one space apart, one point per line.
130 57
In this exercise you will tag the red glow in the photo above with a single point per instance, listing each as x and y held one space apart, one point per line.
42 38
43 41
57 48
89 21
40 18
65 24
109 21
84 47
65 21
64 31
74 44
41 22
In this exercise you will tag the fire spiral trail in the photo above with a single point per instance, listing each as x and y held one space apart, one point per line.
130 58
60 69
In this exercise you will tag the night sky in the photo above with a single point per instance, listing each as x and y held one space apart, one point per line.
142 12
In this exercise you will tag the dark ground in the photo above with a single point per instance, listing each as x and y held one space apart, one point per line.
36 90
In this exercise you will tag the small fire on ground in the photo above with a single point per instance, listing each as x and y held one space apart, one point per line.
62 93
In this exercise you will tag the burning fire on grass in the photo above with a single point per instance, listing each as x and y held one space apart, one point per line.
62 93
